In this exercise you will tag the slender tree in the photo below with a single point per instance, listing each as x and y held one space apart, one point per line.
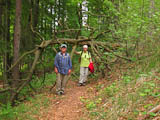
17 37
7 43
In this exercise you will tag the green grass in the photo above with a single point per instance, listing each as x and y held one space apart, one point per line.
125 98
25 111
32 106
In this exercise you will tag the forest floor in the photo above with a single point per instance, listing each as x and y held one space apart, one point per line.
101 97
129 93
69 106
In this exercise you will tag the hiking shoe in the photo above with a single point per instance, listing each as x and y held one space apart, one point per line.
80 84
60 93
84 84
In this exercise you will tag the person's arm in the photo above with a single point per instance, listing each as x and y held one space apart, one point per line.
55 70
90 58
56 64
78 53
70 65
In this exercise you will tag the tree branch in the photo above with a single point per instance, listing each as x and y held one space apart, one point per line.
27 53
154 110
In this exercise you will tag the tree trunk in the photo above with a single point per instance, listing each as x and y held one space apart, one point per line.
151 13
17 37
1 11
7 39
36 14
35 20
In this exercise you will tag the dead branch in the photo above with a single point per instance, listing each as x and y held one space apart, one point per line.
108 50
125 58
154 110
45 44
5 90
54 49
73 51
27 53
95 50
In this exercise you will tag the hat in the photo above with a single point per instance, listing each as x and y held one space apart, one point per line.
85 46
63 46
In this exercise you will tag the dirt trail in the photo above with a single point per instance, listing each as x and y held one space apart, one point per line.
68 106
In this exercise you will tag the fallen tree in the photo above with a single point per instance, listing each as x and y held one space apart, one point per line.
92 40
74 42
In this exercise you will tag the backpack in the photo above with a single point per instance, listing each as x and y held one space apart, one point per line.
81 55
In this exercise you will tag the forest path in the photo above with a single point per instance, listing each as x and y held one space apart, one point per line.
68 106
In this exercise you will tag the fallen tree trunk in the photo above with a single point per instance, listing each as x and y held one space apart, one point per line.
74 42
46 43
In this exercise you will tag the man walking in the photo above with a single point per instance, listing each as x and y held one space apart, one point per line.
63 66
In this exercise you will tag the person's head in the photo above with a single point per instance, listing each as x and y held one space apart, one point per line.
63 48
85 48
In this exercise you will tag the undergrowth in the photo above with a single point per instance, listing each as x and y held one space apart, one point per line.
32 104
128 97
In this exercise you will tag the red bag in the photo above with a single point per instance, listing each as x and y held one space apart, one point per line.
91 68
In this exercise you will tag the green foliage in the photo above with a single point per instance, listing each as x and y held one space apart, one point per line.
147 89
127 79
153 114
131 23
131 93
6 110
111 90
33 106
91 105
25 111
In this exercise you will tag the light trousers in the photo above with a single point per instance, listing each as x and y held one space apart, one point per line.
83 74
61 82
